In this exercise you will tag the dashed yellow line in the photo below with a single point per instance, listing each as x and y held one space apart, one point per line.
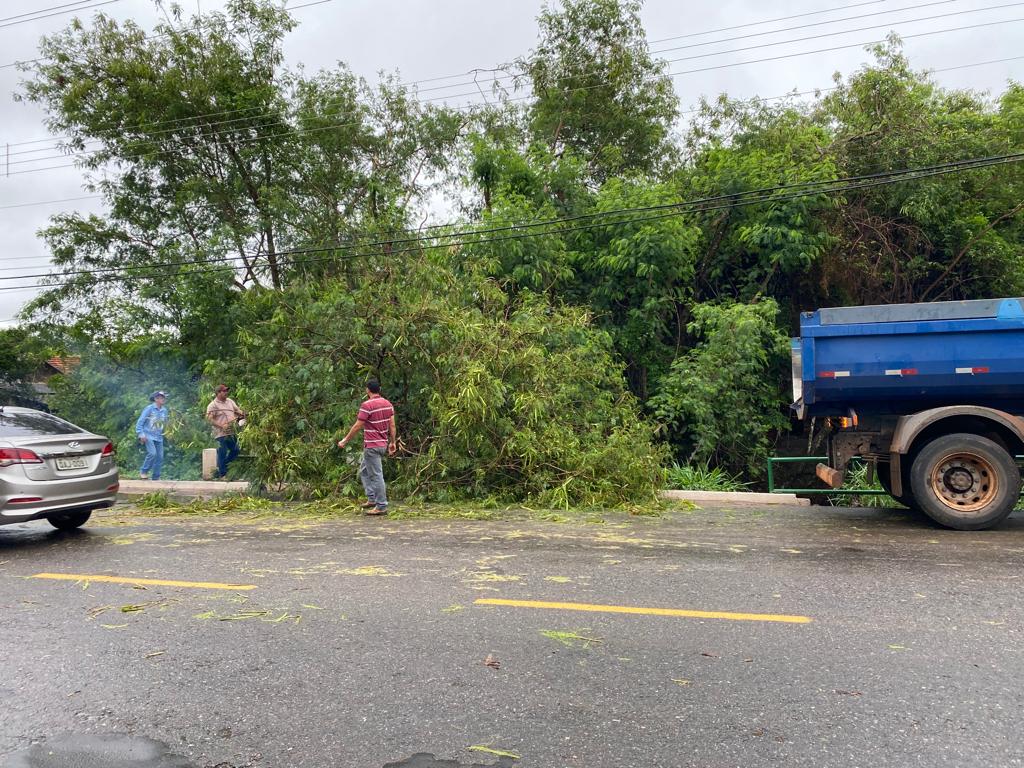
777 617
144 582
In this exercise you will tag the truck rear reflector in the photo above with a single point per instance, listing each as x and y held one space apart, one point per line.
833 374
901 371
980 369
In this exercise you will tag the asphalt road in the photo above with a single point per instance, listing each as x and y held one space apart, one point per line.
791 636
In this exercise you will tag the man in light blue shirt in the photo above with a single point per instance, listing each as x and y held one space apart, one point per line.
150 430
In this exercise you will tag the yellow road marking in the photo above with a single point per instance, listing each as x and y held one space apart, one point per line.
131 580
648 611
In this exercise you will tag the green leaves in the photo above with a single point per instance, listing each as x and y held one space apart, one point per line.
597 90
516 400
723 399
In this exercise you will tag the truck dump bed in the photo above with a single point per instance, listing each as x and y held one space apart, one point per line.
878 358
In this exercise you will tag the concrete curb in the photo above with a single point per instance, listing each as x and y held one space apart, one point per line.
207 489
203 489
734 497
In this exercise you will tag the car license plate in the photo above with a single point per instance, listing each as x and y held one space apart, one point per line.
78 462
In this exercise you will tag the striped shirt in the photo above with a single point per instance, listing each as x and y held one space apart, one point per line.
376 415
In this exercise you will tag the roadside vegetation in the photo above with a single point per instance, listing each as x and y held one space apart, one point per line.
606 305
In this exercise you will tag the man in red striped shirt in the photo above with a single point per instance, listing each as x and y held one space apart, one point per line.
376 420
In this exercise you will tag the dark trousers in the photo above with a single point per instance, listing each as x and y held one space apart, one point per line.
227 451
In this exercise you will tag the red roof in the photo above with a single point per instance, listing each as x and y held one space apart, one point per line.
65 364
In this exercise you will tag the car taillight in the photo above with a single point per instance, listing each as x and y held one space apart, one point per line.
9 456
108 450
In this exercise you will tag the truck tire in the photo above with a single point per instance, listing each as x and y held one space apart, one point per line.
882 470
68 521
965 481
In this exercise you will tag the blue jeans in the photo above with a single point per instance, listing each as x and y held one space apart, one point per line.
154 458
227 451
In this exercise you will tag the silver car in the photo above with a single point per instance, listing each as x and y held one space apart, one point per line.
49 468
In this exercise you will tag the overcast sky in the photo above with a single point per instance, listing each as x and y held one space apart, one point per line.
430 38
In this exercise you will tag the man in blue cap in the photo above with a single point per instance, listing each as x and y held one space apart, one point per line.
150 430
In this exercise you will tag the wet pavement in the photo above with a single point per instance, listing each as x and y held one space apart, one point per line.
719 637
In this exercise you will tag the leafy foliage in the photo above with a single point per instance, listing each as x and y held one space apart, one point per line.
597 89
702 477
511 400
602 276
722 397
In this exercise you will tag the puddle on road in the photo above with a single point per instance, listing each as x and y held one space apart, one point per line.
97 751
426 760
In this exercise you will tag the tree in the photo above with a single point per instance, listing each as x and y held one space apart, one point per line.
597 90
220 169
948 237
636 273
513 400
722 400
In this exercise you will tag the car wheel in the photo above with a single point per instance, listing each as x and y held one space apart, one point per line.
965 481
68 521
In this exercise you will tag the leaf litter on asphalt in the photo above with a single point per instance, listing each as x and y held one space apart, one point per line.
491 751
571 639
139 607
267 616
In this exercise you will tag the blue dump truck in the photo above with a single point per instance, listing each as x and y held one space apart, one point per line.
931 395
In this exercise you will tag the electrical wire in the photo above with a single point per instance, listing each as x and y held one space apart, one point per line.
79 7
741 203
504 77
289 131
43 10
779 42
766 21
750 197
690 111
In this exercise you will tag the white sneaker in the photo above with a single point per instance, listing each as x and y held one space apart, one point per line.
143 475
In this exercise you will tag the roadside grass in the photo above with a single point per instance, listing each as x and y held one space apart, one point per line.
257 508
702 477
857 480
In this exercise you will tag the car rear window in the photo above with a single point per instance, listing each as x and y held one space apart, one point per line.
34 425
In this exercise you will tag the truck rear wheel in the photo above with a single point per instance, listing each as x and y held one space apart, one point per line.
965 481
883 470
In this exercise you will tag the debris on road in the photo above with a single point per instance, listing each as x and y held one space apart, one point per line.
571 639
491 751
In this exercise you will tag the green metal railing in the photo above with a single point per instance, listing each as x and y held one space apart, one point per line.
772 461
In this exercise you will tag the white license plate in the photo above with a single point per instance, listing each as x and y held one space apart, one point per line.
74 463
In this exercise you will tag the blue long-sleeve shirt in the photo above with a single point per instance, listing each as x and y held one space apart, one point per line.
151 422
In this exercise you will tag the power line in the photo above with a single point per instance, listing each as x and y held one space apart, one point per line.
50 202
764 194
150 37
56 13
289 131
820 24
505 77
429 101
780 97
784 42
766 21
43 10
773 98
733 204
